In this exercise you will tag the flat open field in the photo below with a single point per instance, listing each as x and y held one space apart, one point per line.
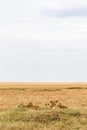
70 94
43 106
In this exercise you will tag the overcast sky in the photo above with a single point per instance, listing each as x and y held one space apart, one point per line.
43 40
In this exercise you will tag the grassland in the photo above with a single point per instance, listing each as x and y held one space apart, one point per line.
16 113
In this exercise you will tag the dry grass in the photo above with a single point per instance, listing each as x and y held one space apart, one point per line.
46 106
70 95
26 119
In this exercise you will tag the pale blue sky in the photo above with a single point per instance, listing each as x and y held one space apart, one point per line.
43 40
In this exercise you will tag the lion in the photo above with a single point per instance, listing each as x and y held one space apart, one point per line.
62 106
30 105
53 104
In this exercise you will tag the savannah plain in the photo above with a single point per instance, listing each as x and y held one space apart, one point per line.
43 106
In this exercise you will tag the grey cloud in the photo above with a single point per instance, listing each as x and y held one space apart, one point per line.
79 12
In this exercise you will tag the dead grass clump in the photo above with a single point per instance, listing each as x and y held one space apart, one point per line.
75 88
46 90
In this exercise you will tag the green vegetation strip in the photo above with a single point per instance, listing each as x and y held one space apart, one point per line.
25 119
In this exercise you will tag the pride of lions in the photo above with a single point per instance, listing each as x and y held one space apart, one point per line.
56 104
51 105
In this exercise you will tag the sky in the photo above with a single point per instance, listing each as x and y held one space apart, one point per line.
43 40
